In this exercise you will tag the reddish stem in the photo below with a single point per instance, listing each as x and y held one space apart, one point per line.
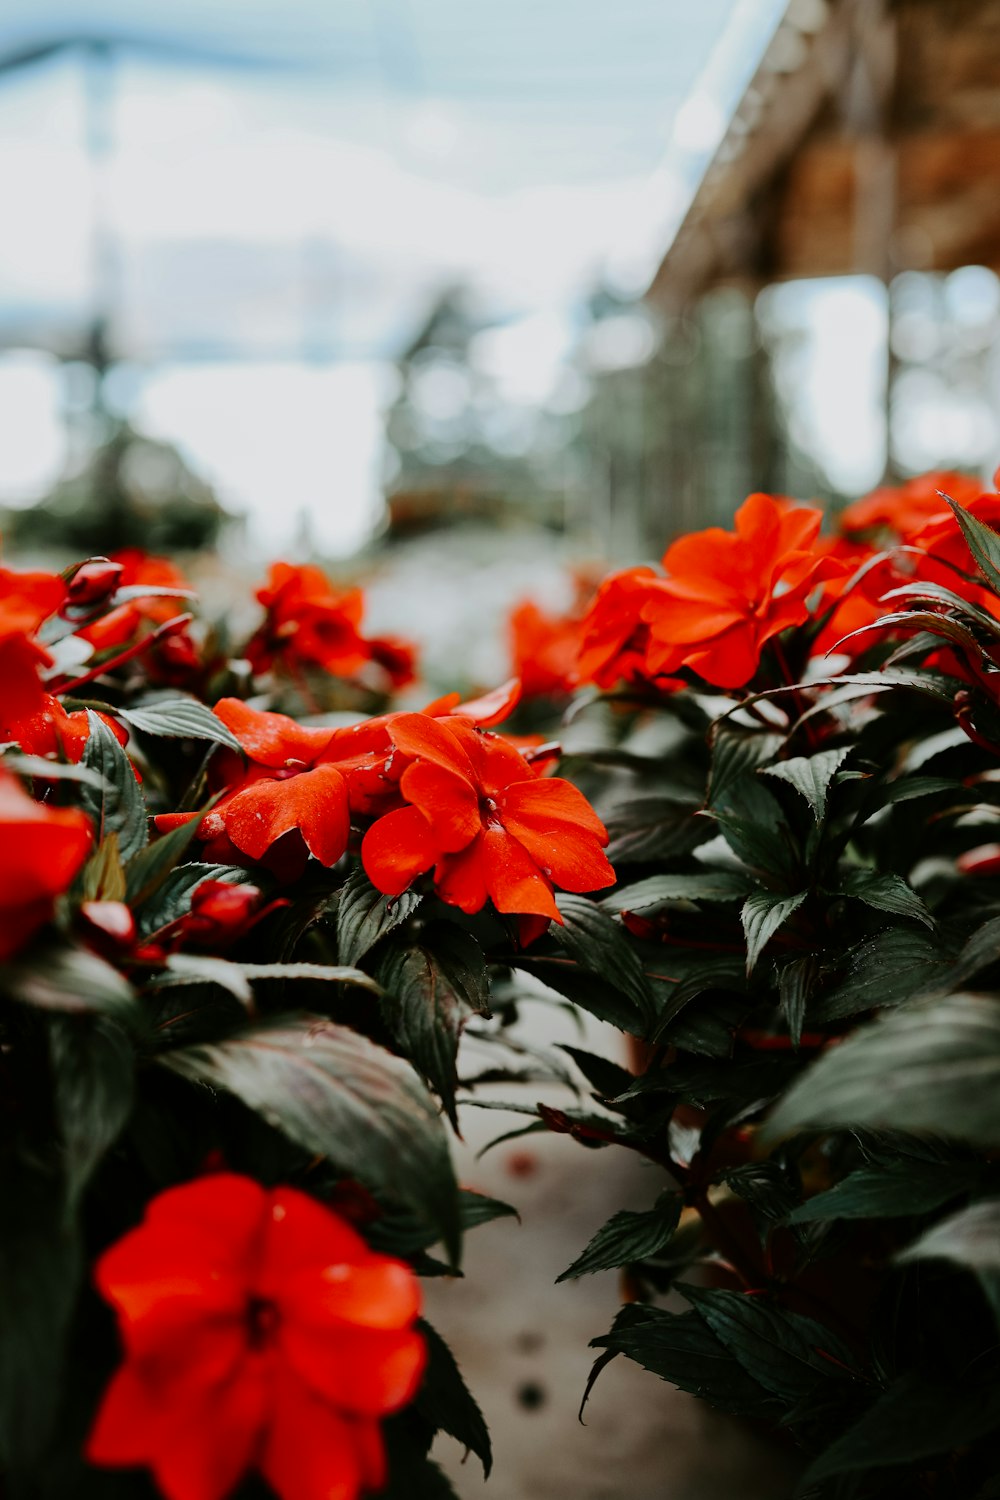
171 627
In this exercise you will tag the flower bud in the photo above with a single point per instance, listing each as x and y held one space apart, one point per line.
93 581
110 922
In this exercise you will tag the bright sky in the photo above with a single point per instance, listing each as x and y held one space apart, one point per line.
278 233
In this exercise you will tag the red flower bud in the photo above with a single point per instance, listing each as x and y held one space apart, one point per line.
220 902
983 860
111 921
93 581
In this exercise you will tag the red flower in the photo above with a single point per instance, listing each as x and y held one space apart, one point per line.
286 792
544 649
26 600
51 731
615 634
311 624
479 814
43 850
260 1332
904 508
728 593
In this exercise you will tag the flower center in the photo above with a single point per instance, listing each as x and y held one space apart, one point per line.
489 813
262 1319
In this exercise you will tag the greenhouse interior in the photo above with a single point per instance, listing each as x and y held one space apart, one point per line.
500 696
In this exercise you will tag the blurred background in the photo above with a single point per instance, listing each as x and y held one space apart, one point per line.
394 282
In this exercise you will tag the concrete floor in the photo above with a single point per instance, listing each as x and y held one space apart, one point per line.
522 1342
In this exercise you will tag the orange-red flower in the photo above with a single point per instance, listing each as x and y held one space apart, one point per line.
727 593
26 601
43 850
309 623
544 650
614 634
52 731
491 828
287 794
902 509
260 1332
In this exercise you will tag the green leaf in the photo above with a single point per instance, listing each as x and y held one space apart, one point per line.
984 544
763 913
651 829
811 775
445 1401
40 1265
886 893
930 1068
93 1067
911 1420
476 1208
894 967
431 990
780 1350
200 968
628 1237
607 1078
795 986
336 1093
737 753
365 915
62 978
981 951
681 1348
658 890
117 806
148 869
970 1238
172 899
763 845
600 945
50 770
897 1190
181 719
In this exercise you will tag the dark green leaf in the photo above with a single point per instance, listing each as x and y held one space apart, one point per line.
795 985
762 845
182 719
365 915
886 893
981 951
336 1093
600 945
681 1348
780 1350
930 1068
200 968
629 1237
476 1208
172 899
93 1066
811 775
763 913
889 969
117 806
70 979
737 753
446 1402
984 544
605 1077
894 1191
50 770
658 890
913 1419
652 829
40 1266
148 869
431 990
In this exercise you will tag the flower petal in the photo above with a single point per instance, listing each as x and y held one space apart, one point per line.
314 802
311 1451
271 739
514 881
447 801
356 1370
397 848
